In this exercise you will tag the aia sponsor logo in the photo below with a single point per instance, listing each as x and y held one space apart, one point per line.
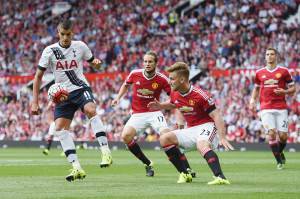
65 65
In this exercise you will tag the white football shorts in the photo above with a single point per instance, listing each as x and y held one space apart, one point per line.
188 138
140 121
275 119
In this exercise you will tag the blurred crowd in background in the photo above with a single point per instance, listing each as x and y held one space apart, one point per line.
232 95
212 35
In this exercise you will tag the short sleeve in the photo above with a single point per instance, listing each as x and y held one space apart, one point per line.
44 61
256 80
288 78
129 79
87 53
167 87
172 98
206 101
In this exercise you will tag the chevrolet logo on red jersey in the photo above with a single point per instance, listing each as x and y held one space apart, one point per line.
154 85
186 109
145 91
271 82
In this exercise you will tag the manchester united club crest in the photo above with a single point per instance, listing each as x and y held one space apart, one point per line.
278 75
191 102
154 85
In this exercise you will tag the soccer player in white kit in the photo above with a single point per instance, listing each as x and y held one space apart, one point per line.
65 58
147 85
272 84
206 128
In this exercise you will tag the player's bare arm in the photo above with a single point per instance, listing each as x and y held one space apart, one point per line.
96 63
35 109
180 121
253 98
219 122
156 105
289 91
122 91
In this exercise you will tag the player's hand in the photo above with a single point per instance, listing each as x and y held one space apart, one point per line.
252 106
224 142
97 63
279 91
115 102
50 105
154 105
35 109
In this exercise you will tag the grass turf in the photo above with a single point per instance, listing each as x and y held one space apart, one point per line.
27 173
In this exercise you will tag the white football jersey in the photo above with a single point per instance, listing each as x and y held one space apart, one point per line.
67 63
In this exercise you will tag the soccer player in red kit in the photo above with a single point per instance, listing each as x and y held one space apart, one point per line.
272 84
206 128
147 85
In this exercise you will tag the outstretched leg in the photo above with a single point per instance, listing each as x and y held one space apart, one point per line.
51 132
274 145
213 162
99 131
128 138
282 144
169 143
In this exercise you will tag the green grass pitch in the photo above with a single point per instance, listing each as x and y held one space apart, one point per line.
27 173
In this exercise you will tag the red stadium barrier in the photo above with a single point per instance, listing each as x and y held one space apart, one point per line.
18 79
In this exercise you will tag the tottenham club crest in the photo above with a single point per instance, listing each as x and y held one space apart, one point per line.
74 52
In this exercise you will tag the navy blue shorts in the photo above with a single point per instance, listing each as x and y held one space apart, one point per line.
77 99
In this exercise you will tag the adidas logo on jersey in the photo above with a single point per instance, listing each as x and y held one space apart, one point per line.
138 83
176 102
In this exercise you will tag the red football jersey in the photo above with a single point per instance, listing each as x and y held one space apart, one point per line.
145 89
195 105
268 80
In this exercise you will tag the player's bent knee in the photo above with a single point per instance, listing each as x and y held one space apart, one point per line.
272 134
283 136
164 131
128 134
90 113
203 144
167 139
90 109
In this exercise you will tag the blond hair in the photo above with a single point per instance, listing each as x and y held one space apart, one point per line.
180 68
153 54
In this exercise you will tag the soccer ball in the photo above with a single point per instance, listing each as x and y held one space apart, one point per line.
58 93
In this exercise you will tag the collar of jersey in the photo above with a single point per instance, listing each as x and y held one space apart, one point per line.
147 77
185 94
271 70
64 47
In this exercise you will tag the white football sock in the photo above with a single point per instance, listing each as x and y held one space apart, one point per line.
68 146
99 131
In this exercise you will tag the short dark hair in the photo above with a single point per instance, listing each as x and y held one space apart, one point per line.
180 68
271 48
65 24
153 54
